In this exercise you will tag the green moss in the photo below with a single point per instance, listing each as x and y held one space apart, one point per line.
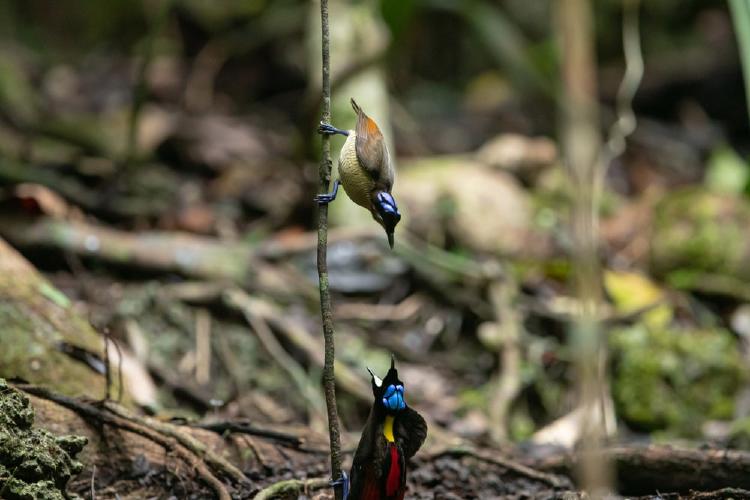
675 379
15 410
34 464
701 231
14 489
29 350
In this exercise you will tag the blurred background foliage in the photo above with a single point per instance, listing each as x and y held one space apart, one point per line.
199 117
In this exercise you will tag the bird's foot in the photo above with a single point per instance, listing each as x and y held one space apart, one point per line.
326 198
343 481
328 129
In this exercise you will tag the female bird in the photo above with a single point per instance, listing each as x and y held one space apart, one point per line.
365 170
392 435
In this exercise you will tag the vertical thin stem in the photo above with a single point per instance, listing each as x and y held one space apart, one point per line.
581 143
741 17
329 381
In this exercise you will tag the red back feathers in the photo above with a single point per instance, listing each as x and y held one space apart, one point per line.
393 481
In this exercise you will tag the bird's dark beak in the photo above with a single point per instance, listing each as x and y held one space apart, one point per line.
390 240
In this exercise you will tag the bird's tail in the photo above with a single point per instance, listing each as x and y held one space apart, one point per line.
356 107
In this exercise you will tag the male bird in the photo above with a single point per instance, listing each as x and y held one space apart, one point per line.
392 435
365 171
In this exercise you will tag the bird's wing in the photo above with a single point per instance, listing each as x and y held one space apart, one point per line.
411 431
372 152
362 467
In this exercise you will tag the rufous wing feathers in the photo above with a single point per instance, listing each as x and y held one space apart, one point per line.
370 145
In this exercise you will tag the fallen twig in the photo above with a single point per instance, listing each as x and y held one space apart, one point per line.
291 486
218 462
245 427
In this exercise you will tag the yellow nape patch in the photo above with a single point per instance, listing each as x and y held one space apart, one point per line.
388 429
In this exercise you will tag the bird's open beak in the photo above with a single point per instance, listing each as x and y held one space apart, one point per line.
390 240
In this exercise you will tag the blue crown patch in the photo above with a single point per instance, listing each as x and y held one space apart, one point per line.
387 203
393 398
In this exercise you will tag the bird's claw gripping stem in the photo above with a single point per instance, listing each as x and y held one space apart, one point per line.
328 129
344 482
326 198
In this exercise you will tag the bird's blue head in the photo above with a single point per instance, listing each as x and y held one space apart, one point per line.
389 391
386 213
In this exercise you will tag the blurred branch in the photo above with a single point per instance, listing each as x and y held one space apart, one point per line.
157 250
645 469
